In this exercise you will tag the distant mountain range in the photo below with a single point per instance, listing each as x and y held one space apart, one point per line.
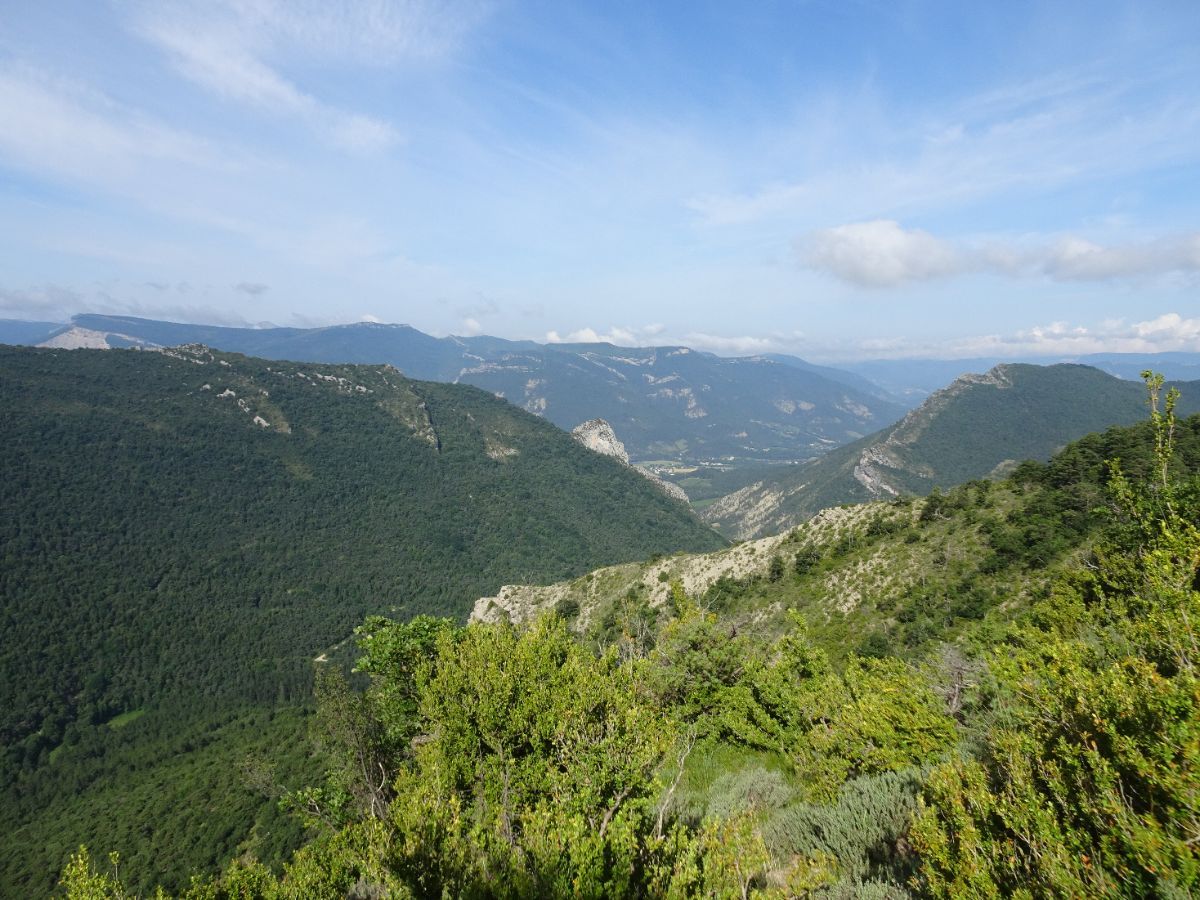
673 408
669 404
974 428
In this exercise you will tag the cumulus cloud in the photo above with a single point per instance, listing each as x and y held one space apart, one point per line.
738 345
881 253
1075 259
622 337
1058 340
253 288
657 334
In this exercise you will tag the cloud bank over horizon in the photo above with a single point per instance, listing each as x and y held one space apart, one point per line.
883 254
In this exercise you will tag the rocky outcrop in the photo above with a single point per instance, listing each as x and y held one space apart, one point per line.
598 436
519 603
588 597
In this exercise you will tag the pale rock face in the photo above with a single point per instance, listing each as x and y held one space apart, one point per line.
78 339
518 603
599 437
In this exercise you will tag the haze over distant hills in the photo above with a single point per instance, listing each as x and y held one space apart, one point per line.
671 404
974 428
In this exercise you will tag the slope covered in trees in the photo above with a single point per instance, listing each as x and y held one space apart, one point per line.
977 427
184 533
1049 748
667 403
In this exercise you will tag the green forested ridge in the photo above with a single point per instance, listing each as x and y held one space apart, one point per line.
1049 748
975 428
669 403
183 533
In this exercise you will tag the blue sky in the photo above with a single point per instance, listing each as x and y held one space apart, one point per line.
834 179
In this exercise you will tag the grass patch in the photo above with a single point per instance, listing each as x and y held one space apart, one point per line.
126 717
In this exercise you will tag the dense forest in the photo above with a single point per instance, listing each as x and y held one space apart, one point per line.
185 532
1042 745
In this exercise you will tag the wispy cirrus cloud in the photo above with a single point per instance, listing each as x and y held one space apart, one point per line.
882 254
1063 128
59 126
238 50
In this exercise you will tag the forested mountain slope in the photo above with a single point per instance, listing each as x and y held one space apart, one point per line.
989 693
667 403
971 429
881 577
188 530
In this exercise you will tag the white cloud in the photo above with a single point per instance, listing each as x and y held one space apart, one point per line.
253 288
1076 259
1170 328
622 337
881 253
471 327
1063 340
744 345
657 335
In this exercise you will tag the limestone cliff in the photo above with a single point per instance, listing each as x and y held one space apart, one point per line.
598 436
